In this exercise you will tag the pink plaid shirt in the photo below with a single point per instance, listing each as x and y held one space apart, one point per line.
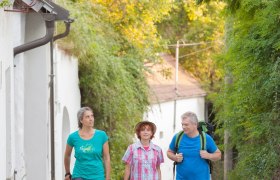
143 163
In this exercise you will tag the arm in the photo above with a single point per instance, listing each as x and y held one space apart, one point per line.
211 156
174 157
106 159
67 159
127 171
159 172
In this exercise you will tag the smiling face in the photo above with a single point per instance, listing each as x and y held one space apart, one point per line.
189 127
146 132
88 119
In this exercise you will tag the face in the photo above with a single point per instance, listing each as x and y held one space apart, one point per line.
146 133
188 126
88 119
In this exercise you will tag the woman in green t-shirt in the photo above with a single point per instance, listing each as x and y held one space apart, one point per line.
91 150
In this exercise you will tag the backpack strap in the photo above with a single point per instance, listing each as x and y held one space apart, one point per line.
203 147
179 136
202 140
178 139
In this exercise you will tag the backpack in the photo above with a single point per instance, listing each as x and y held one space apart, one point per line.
203 127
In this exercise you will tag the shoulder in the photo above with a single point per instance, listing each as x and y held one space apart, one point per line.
98 131
208 137
132 147
135 145
72 138
156 147
73 134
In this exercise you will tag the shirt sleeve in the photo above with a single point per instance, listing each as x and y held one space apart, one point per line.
127 158
211 145
105 137
70 140
172 144
160 157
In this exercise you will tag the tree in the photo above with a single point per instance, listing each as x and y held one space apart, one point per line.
195 23
112 40
252 117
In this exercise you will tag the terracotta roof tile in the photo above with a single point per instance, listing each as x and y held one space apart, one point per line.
162 88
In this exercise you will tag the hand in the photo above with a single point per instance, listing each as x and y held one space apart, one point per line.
204 154
179 157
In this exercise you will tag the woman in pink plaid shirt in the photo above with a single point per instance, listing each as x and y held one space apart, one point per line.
143 158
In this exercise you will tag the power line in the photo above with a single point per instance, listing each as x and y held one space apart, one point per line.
196 52
190 44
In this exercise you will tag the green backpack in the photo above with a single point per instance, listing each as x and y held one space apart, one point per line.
203 127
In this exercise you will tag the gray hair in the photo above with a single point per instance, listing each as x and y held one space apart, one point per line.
80 115
191 116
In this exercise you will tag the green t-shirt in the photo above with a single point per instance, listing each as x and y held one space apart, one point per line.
89 155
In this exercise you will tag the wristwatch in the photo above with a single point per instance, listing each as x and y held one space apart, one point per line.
68 174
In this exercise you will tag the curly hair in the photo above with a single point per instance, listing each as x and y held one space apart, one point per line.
145 124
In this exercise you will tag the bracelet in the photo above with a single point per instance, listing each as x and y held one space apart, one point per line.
68 174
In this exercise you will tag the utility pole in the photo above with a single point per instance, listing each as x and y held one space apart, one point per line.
228 155
176 82
178 45
228 164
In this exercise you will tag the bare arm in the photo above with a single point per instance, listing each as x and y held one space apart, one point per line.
211 156
159 172
67 159
127 172
106 159
174 157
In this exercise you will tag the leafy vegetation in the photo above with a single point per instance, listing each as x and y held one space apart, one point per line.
249 108
4 3
190 23
112 40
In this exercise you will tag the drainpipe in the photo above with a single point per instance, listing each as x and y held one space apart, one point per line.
52 122
51 12
39 42
67 30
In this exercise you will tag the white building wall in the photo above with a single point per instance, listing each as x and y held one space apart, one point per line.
67 100
18 39
163 116
6 95
36 102
24 100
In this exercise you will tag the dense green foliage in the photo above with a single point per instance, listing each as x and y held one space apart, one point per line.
191 23
5 3
112 40
249 107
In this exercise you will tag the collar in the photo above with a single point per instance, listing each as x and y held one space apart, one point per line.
138 144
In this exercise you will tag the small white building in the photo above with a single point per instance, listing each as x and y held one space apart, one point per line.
25 102
166 107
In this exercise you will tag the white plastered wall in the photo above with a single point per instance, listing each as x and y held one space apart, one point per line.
24 100
67 104
36 101
8 164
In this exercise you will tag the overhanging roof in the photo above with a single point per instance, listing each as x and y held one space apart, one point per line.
162 89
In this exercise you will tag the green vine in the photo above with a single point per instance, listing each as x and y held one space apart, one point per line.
5 3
